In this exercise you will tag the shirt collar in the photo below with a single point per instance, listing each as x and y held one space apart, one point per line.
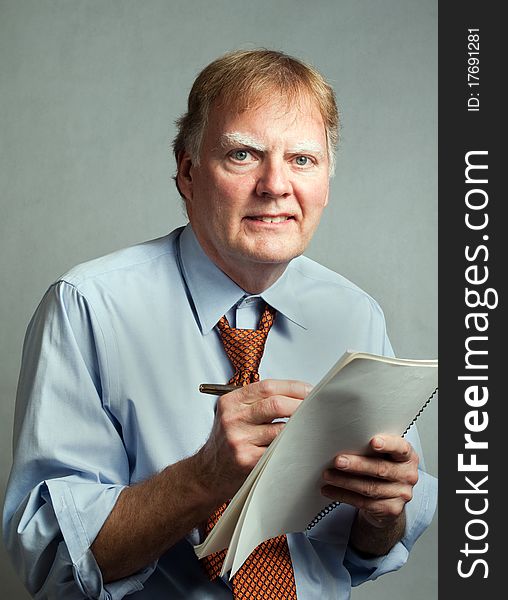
213 293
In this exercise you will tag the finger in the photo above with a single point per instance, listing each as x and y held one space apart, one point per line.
396 446
264 435
386 508
273 387
369 487
380 468
274 407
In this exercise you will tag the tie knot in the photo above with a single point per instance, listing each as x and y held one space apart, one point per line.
245 347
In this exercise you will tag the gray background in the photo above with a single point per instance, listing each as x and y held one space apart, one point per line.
89 93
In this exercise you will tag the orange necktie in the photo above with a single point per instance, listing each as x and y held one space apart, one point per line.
267 574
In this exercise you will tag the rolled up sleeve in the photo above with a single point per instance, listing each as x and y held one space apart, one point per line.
70 463
419 513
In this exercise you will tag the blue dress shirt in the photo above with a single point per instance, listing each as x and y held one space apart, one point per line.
108 396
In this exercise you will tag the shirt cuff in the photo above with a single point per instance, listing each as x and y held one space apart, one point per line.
419 513
81 509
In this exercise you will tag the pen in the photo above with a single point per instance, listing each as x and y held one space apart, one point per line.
217 388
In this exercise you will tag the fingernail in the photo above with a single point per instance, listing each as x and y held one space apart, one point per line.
342 462
378 442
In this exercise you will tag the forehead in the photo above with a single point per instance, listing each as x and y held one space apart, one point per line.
267 119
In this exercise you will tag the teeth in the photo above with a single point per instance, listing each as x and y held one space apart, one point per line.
272 219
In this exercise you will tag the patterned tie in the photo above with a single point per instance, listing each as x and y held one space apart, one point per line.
267 574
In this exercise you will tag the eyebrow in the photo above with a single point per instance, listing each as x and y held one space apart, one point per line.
235 137
303 147
308 146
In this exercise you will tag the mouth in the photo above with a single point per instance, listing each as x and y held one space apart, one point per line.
270 218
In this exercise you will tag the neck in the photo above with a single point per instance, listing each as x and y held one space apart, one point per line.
256 278
253 277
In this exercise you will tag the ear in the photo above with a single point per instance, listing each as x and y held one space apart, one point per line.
184 175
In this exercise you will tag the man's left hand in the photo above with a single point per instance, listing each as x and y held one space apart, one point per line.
379 485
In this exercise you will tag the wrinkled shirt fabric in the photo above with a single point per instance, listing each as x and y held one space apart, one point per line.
108 396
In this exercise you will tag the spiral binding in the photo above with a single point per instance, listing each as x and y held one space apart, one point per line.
420 411
322 514
328 509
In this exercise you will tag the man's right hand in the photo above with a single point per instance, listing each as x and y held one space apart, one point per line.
150 516
243 429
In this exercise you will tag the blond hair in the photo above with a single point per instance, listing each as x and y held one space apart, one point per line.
245 78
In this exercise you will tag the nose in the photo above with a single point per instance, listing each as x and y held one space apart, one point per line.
274 179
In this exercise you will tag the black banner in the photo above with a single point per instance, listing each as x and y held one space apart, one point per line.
472 311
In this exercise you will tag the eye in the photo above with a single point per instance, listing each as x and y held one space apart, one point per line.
240 155
303 161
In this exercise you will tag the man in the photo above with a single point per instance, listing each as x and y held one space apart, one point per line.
120 463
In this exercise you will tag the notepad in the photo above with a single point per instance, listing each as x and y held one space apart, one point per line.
362 395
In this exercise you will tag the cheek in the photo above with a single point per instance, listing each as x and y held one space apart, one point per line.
232 194
314 202
236 183
320 199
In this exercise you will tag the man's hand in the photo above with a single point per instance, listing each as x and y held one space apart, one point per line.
243 429
150 516
379 486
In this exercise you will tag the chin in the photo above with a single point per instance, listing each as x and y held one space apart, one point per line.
282 256
263 251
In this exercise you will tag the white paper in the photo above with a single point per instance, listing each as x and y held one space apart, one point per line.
343 412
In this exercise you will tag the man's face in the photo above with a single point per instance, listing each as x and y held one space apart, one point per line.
257 195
